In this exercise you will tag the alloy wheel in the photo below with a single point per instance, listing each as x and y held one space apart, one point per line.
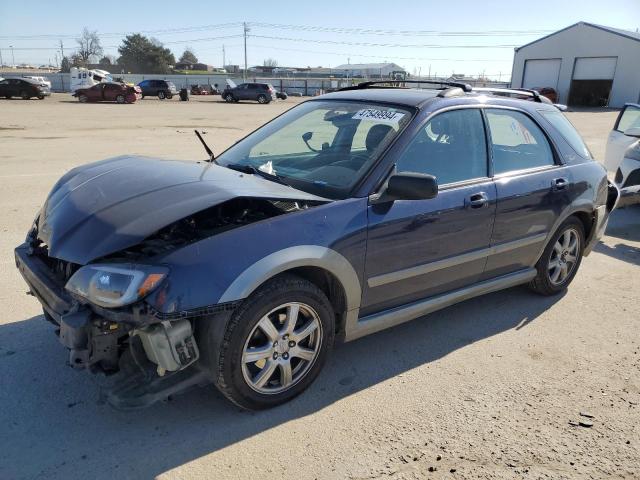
281 348
564 256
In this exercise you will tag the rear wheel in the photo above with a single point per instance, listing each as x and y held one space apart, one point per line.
8 97
25 95
161 95
275 344
560 260
262 99
169 96
120 99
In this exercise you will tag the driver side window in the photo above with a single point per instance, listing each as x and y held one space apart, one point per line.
451 146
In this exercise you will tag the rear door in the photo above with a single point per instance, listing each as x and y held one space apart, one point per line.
533 189
421 248
618 142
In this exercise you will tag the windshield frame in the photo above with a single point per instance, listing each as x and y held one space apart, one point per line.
337 193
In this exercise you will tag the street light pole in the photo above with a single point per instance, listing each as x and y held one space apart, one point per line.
245 30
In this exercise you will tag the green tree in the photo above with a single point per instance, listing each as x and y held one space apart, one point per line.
139 54
188 56
65 65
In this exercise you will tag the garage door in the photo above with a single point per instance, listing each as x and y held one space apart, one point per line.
601 68
541 73
592 81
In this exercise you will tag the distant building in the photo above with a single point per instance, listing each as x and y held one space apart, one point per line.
369 70
587 64
201 67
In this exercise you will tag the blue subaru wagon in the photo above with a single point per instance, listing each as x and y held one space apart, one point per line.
350 213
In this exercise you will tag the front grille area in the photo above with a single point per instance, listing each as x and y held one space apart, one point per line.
62 269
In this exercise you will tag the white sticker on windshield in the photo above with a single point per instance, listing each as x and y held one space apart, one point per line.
380 116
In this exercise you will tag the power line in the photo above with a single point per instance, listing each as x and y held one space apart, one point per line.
368 44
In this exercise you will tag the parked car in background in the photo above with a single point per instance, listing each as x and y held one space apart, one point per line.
548 92
42 80
158 88
200 90
259 92
623 153
109 92
372 206
24 88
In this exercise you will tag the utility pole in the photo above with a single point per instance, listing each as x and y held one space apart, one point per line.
61 50
245 29
13 59
1 62
224 61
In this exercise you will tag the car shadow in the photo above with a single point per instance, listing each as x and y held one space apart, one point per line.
56 426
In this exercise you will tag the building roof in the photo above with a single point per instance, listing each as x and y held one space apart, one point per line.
366 66
616 31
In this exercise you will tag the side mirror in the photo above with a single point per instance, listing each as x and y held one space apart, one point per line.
409 186
632 132
307 136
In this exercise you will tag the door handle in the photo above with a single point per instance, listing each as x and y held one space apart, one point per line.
559 184
477 200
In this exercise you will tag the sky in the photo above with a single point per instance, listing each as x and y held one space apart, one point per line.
422 36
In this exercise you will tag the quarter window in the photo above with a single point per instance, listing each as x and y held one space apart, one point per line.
517 142
451 146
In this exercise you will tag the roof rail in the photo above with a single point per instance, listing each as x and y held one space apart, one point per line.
362 85
515 91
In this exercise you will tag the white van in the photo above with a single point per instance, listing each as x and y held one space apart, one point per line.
83 78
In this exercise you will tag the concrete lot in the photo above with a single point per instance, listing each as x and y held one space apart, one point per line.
484 389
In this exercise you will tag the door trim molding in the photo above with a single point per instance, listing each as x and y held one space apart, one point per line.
425 268
357 328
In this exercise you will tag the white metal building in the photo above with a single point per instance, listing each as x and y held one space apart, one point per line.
587 64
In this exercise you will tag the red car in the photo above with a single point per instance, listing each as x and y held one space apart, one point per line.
109 92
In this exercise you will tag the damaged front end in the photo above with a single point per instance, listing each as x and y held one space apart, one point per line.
106 318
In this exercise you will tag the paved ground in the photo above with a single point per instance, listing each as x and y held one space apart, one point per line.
483 389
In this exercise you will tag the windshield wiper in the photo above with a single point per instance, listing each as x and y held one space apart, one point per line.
256 171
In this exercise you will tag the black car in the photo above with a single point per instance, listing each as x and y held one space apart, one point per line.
24 88
260 92
158 88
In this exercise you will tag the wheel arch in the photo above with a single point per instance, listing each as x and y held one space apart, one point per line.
324 267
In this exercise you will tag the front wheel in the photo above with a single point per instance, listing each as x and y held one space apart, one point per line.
560 260
228 98
120 99
40 97
275 344
83 98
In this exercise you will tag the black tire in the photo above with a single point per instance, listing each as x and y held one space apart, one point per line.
226 352
83 98
169 96
25 95
120 99
263 99
161 95
40 97
543 282
228 98
8 97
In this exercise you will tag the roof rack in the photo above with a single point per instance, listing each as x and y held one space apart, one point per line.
362 85
515 91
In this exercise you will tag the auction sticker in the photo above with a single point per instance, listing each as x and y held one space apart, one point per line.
381 116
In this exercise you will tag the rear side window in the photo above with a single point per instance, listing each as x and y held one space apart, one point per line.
630 118
517 142
568 131
451 146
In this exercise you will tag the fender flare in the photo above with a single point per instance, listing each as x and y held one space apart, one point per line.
299 256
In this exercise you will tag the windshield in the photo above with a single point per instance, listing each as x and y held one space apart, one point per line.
321 147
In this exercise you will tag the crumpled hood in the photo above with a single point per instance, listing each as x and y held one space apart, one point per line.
104 207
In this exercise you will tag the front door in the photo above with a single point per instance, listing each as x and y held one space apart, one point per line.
618 142
421 248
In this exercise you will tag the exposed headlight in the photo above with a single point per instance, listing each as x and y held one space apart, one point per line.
115 285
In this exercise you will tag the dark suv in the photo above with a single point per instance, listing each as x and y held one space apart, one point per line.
348 214
158 88
260 92
24 88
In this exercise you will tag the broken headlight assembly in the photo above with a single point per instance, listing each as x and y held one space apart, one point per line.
115 285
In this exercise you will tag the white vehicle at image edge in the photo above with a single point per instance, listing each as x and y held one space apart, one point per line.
623 154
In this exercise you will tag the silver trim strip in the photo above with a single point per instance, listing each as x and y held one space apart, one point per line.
395 316
425 268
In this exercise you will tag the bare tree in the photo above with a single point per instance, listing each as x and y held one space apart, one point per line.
270 62
88 46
